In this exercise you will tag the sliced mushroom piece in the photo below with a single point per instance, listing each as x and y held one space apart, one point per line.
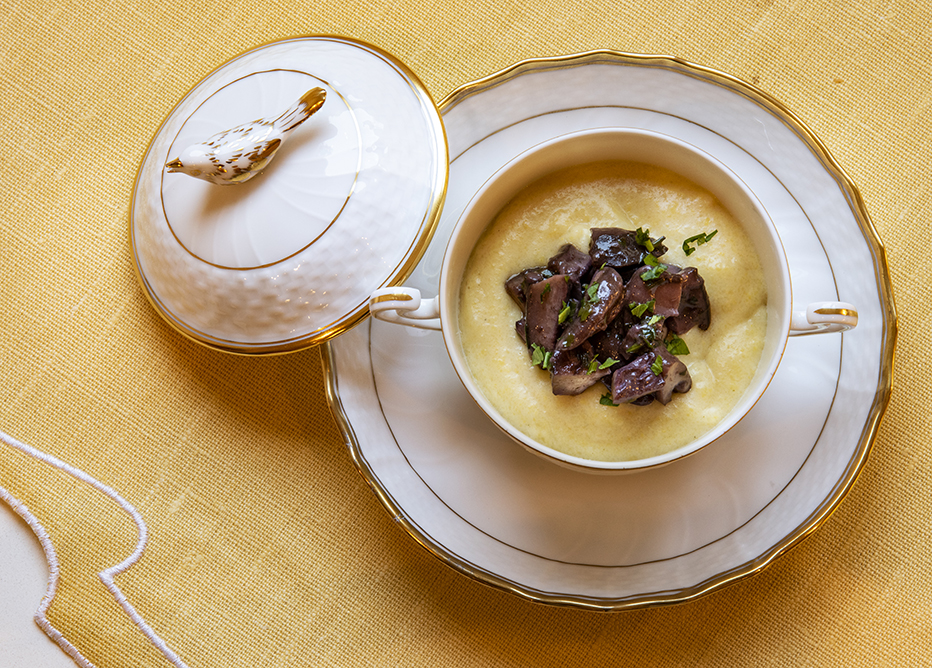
642 377
601 302
694 308
609 343
521 331
544 303
636 379
675 376
570 373
640 401
617 247
665 290
636 290
614 247
644 335
518 285
570 261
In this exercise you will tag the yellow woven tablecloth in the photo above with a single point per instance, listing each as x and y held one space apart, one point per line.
266 548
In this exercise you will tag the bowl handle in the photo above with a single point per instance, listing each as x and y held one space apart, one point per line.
824 317
404 306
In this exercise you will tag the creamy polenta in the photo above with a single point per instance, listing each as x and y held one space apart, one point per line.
562 208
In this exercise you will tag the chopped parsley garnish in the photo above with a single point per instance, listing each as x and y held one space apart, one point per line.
647 333
606 400
589 300
564 313
699 239
657 365
544 292
676 345
541 357
642 238
595 366
656 268
640 309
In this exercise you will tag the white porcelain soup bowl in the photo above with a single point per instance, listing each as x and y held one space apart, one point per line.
406 306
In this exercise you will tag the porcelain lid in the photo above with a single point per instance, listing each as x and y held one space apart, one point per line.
348 205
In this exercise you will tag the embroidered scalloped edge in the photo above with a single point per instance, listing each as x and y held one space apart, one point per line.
106 576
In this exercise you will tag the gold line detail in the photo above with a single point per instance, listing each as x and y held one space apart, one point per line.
847 312
392 298
352 189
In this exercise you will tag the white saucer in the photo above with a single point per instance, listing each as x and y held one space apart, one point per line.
512 520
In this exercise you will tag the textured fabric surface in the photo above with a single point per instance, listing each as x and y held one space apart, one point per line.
266 548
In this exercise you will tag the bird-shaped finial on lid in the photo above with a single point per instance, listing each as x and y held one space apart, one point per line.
238 154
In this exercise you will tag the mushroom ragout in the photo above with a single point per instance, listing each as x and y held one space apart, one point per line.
614 314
